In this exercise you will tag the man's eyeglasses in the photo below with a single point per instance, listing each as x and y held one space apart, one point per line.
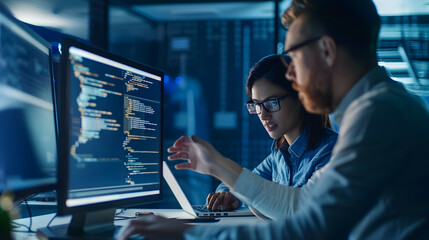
270 105
300 45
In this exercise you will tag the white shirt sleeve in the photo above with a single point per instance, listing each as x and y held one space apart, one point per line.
268 198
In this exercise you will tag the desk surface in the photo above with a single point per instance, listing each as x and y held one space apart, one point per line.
43 220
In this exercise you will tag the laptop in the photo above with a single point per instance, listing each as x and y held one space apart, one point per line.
197 210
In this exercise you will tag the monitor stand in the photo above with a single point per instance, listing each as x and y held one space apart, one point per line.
91 225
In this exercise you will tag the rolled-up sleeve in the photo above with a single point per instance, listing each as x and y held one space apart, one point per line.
264 169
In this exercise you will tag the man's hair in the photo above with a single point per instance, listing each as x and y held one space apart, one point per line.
353 24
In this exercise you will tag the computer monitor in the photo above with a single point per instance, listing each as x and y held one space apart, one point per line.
110 137
28 150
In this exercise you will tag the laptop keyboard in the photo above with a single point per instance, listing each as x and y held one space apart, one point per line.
203 208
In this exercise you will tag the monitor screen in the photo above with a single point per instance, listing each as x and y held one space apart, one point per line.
28 151
110 137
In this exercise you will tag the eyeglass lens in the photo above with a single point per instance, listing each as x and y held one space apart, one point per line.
271 105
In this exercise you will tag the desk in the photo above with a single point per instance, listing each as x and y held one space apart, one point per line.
43 220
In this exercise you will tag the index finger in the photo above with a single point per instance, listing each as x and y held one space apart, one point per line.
177 149
218 201
182 141
212 200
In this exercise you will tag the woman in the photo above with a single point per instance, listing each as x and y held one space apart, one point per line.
302 141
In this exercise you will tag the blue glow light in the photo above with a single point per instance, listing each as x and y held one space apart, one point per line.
60 49
166 79
179 80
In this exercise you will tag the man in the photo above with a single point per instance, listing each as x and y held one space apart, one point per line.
375 186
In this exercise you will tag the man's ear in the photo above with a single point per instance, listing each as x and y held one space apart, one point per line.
329 49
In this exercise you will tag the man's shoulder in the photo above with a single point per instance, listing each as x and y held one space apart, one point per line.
386 103
389 97
385 89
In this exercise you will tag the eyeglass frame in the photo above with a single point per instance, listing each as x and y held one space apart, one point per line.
300 45
277 100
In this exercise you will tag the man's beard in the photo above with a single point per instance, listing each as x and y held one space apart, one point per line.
316 95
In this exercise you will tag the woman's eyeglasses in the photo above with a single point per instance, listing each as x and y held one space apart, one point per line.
270 105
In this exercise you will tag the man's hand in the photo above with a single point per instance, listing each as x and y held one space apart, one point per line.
203 158
226 199
201 155
153 227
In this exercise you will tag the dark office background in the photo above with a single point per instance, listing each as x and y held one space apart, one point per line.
206 49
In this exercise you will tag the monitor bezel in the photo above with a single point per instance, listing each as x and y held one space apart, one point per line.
64 132
23 193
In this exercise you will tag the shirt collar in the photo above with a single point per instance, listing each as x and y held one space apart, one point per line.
298 147
361 87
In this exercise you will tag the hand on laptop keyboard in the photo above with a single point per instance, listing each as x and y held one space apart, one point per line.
205 209
224 200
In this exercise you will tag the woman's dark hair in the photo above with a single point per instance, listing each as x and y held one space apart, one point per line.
273 69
